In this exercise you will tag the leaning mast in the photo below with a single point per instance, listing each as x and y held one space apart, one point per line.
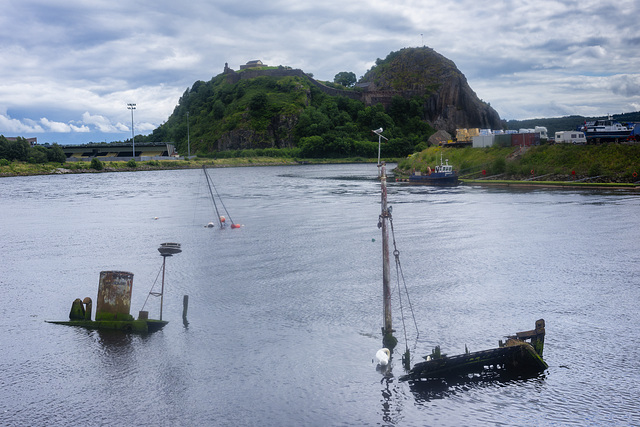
215 205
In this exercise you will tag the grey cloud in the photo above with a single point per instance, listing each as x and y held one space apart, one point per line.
79 57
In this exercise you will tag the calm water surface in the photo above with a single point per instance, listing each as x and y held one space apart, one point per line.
285 313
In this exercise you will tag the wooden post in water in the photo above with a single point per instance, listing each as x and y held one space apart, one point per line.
185 306
388 340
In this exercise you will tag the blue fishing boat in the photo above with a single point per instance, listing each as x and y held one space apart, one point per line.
442 175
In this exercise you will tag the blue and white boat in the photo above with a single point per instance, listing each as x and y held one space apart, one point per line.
605 130
443 175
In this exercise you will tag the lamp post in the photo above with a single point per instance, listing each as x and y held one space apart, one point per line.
379 133
133 141
188 140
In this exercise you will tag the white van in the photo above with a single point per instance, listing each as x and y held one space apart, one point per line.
542 131
570 137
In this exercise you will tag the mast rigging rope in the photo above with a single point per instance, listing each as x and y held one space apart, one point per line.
399 275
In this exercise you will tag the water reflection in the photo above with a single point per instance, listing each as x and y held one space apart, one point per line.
436 389
112 342
391 400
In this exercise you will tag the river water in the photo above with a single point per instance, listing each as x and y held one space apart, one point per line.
285 313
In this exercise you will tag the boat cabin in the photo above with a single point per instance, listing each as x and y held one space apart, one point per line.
446 168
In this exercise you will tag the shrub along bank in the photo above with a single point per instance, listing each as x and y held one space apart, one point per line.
597 163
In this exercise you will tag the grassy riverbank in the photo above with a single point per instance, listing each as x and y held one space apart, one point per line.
27 169
555 165
610 163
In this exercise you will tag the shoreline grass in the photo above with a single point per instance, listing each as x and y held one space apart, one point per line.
14 169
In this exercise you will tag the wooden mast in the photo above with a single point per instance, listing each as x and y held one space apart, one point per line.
388 340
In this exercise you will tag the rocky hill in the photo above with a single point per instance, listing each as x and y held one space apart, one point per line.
449 101
411 94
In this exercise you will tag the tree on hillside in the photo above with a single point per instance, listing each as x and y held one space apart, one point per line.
345 78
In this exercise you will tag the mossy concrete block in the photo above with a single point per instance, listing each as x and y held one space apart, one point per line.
77 310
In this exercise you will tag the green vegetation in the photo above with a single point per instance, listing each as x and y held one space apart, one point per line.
21 150
290 113
18 168
602 163
558 165
345 78
96 164
409 69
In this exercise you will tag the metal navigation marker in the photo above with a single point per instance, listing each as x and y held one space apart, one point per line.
168 249
165 249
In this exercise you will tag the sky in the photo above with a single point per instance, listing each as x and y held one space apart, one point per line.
69 68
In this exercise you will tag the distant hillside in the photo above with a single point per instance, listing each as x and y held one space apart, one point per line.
410 94
554 125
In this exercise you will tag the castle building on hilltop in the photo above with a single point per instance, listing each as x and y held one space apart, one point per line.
253 64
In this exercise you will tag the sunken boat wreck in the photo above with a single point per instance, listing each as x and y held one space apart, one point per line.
520 354
114 302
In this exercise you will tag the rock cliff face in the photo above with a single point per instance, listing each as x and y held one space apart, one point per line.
449 101
277 135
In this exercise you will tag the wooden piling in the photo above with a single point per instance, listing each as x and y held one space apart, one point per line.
185 306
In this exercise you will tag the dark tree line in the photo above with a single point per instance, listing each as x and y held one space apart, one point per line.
21 150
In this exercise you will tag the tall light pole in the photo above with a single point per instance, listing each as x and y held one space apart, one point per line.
133 141
188 141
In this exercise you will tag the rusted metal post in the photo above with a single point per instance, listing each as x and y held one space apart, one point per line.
114 295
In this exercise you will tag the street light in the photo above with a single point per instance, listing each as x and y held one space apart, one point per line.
133 141
379 133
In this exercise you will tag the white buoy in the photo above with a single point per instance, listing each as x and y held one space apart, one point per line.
382 356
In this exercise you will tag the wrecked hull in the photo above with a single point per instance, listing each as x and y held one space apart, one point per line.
515 357
141 326
519 358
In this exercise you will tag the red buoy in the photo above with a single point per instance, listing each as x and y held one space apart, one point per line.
222 219
235 225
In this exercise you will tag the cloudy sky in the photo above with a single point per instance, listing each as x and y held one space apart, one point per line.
69 68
